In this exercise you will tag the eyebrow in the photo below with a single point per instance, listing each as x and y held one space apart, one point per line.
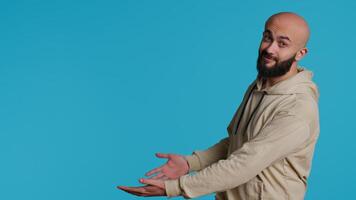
282 37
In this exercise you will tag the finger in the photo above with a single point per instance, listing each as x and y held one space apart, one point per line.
153 171
162 155
158 183
140 191
131 189
163 178
159 176
134 193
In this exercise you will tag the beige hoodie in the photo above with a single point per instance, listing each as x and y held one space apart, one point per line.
269 155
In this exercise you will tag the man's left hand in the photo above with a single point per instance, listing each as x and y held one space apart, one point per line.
153 187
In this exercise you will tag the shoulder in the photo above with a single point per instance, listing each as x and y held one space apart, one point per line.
306 109
301 105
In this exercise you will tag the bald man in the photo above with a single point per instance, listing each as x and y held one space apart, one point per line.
268 151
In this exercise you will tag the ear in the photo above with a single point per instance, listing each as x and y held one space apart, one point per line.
301 53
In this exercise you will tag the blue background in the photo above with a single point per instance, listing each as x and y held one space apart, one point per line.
90 90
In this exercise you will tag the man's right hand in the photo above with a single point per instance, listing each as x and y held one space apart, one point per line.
175 167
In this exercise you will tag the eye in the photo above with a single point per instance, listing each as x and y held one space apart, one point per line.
282 44
266 38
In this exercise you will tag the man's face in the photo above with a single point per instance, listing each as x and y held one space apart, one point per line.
279 68
277 51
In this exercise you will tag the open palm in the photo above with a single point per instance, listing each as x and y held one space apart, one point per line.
175 167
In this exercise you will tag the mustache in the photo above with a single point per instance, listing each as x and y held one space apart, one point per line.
268 55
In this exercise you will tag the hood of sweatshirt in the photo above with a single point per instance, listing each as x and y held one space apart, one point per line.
299 83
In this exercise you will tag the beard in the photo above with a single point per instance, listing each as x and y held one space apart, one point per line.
279 68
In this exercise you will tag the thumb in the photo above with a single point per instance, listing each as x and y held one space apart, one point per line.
154 182
162 155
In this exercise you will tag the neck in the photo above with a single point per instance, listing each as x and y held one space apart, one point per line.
270 81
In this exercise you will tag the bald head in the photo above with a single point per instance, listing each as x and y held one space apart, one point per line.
283 44
292 25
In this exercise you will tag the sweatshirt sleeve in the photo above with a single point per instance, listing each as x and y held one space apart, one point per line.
283 135
201 159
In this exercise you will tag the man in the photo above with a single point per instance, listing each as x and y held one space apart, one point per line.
271 138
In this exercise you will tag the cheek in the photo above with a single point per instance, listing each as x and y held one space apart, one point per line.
263 46
284 56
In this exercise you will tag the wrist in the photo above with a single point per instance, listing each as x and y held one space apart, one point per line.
193 162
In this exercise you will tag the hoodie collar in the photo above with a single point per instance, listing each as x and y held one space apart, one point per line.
298 83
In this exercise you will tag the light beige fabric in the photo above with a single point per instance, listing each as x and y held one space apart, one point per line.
269 159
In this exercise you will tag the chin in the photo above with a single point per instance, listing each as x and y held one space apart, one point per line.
270 65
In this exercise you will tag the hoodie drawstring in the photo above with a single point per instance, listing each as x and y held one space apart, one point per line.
253 112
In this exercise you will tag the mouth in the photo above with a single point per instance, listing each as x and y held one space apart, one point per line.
267 58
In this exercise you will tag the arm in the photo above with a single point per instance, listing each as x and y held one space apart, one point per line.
283 135
201 159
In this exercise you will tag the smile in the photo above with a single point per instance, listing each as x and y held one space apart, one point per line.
268 59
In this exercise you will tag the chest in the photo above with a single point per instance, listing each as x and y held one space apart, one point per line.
254 116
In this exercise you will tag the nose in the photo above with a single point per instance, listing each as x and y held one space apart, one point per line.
272 49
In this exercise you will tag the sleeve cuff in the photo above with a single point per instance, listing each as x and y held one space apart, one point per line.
193 162
172 188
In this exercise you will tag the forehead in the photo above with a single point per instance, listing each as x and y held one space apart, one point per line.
281 28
